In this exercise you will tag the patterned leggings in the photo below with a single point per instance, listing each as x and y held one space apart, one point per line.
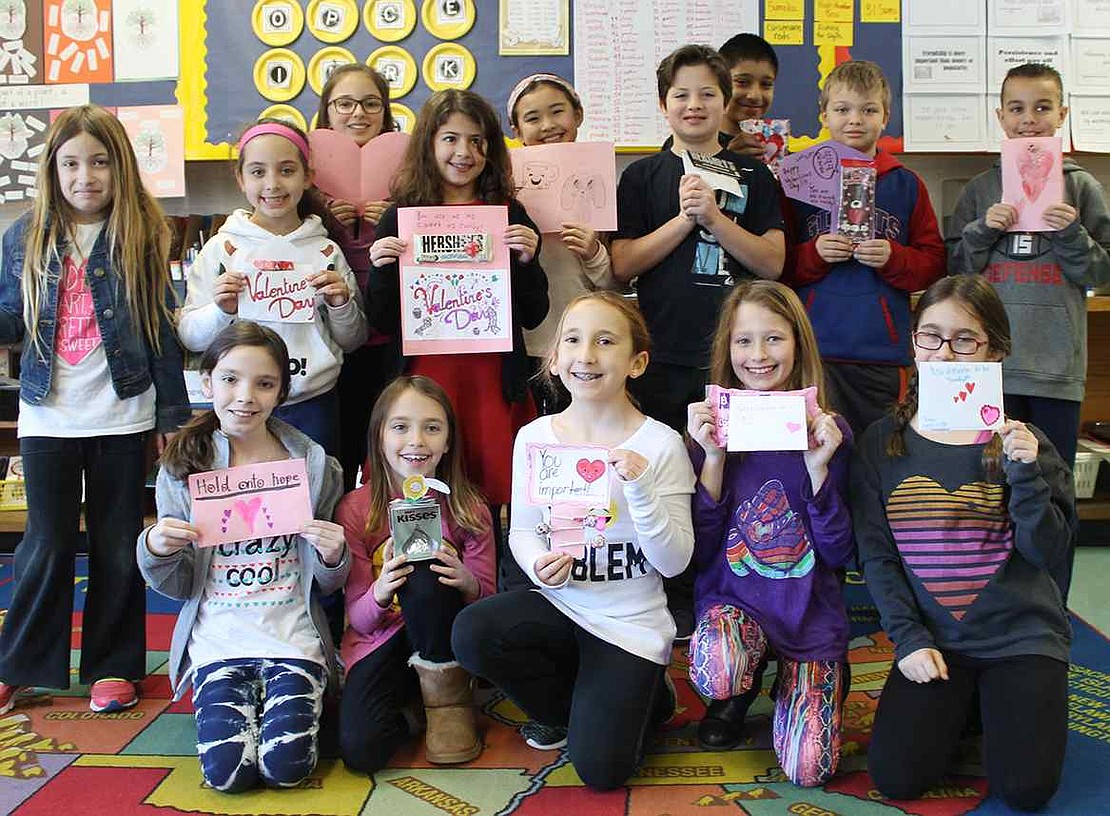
725 651
257 719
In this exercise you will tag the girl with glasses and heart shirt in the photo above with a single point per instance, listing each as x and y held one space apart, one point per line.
964 538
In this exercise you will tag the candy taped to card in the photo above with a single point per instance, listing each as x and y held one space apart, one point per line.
855 212
470 247
416 528
574 526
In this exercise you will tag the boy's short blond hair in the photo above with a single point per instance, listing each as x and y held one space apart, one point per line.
861 76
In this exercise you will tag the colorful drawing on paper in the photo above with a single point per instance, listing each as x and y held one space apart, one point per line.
20 42
568 473
145 38
77 38
1032 179
955 396
22 138
157 134
277 291
567 182
813 175
251 501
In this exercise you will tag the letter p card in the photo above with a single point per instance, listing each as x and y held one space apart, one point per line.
959 396
560 473
251 501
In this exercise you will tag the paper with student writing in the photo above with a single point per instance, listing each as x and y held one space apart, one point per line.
277 288
355 174
1032 179
762 420
250 502
567 473
720 398
955 396
567 182
813 175
461 306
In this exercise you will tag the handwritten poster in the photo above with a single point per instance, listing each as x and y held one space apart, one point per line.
1032 179
955 396
568 473
461 305
813 175
357 175
568 182
157 134
250 501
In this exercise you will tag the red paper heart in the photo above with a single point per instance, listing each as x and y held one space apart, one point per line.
590 471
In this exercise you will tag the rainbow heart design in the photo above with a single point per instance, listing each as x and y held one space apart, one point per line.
589 470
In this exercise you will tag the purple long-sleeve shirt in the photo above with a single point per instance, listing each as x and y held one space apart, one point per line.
771 547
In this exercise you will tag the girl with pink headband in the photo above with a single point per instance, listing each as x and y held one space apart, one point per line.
253 249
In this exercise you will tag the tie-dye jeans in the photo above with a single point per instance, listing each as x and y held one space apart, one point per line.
725 651
257 719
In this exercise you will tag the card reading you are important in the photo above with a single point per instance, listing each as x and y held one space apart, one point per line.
957 396
250 501
577 473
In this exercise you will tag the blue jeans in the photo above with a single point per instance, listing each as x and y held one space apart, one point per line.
317 418
258 719
35 638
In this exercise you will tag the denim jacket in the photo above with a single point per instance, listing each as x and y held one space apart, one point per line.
133 364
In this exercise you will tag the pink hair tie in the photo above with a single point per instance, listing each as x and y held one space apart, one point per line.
515 94
277 129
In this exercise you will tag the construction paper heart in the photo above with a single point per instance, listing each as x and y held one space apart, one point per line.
989 414
793 427
952 541
590 471
970 387
248 510
1034 165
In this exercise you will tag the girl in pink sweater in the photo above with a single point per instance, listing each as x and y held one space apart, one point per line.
400 612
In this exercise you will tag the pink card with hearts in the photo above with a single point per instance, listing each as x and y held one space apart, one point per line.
1032 179
355 174
958 396
250 501
720 401
577 473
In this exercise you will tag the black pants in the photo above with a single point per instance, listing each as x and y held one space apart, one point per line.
862 392
362 378
35 638
1024 703
560 674
371 726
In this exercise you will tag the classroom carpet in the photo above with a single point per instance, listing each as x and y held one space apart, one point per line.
59 758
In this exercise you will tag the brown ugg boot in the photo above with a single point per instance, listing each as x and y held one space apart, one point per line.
452 736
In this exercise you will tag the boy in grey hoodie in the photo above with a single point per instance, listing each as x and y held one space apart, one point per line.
1040 276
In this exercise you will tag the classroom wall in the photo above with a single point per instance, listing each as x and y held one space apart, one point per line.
211 187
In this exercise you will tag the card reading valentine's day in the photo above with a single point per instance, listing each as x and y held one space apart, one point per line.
771 421
813 175
855 211
1032 179
250 501
720 398
959 396
277 291
568 472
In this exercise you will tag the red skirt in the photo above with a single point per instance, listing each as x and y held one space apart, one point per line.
487 423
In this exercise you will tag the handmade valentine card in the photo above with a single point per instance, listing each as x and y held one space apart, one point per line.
773 135
355 174
855 209
251 501
456 296
575 525
770 421
569 182
1032 179
813 175
720 174
720 400
567 472
956 396
278 288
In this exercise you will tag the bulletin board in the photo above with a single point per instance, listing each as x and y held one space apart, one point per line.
218 86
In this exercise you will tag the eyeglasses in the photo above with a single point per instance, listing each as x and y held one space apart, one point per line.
959 345
346 105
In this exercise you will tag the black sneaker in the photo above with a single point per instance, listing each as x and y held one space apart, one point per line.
544 737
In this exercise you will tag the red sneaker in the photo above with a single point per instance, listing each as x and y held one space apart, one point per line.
112 694
7 697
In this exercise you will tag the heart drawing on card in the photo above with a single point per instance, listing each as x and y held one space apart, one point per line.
1034 166
990 414
969 387
589 470
960 397
248 511
793 427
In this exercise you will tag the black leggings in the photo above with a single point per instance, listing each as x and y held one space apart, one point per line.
1025 727
560 674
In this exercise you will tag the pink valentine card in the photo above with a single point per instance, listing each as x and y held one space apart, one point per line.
720 400
1032 179
456 295
572 182
771 421
575 525
344 170
250 501
955 396
568 473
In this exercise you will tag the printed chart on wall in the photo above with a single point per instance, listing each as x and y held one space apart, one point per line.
122 54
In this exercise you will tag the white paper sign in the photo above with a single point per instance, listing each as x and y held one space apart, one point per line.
1092 18
933 64
1004 53
1019 17
944 122
941 17
955 396
1091 58
559 473
767 422
1090 118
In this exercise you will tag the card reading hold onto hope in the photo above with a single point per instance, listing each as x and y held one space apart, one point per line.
250 501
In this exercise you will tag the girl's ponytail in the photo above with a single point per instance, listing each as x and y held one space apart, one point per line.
903 412
191 450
